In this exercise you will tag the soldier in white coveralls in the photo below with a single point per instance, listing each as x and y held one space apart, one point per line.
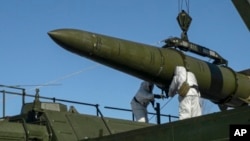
189 98
141 100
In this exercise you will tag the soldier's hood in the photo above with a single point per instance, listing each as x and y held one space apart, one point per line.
181 72
147 85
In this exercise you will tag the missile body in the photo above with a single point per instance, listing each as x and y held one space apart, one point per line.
219 84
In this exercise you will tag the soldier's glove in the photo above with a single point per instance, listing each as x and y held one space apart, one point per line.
153 103
158 96
166 95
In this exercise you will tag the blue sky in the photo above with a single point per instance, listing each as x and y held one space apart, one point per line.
30 57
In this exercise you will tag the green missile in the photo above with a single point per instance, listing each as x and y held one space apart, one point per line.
220 84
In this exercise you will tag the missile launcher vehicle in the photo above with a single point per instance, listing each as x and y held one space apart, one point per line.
53 121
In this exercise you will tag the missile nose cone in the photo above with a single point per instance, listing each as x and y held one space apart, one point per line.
76 41
53 34
66 38
58 36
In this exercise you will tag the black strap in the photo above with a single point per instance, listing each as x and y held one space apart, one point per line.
139 102
136 100
195 87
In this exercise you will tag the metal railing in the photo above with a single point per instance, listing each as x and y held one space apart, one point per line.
157 113
23 94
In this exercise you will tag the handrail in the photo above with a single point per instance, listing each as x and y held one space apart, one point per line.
158 114
4 92
98 111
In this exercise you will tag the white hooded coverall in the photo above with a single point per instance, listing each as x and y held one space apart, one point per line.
189 105
141 100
